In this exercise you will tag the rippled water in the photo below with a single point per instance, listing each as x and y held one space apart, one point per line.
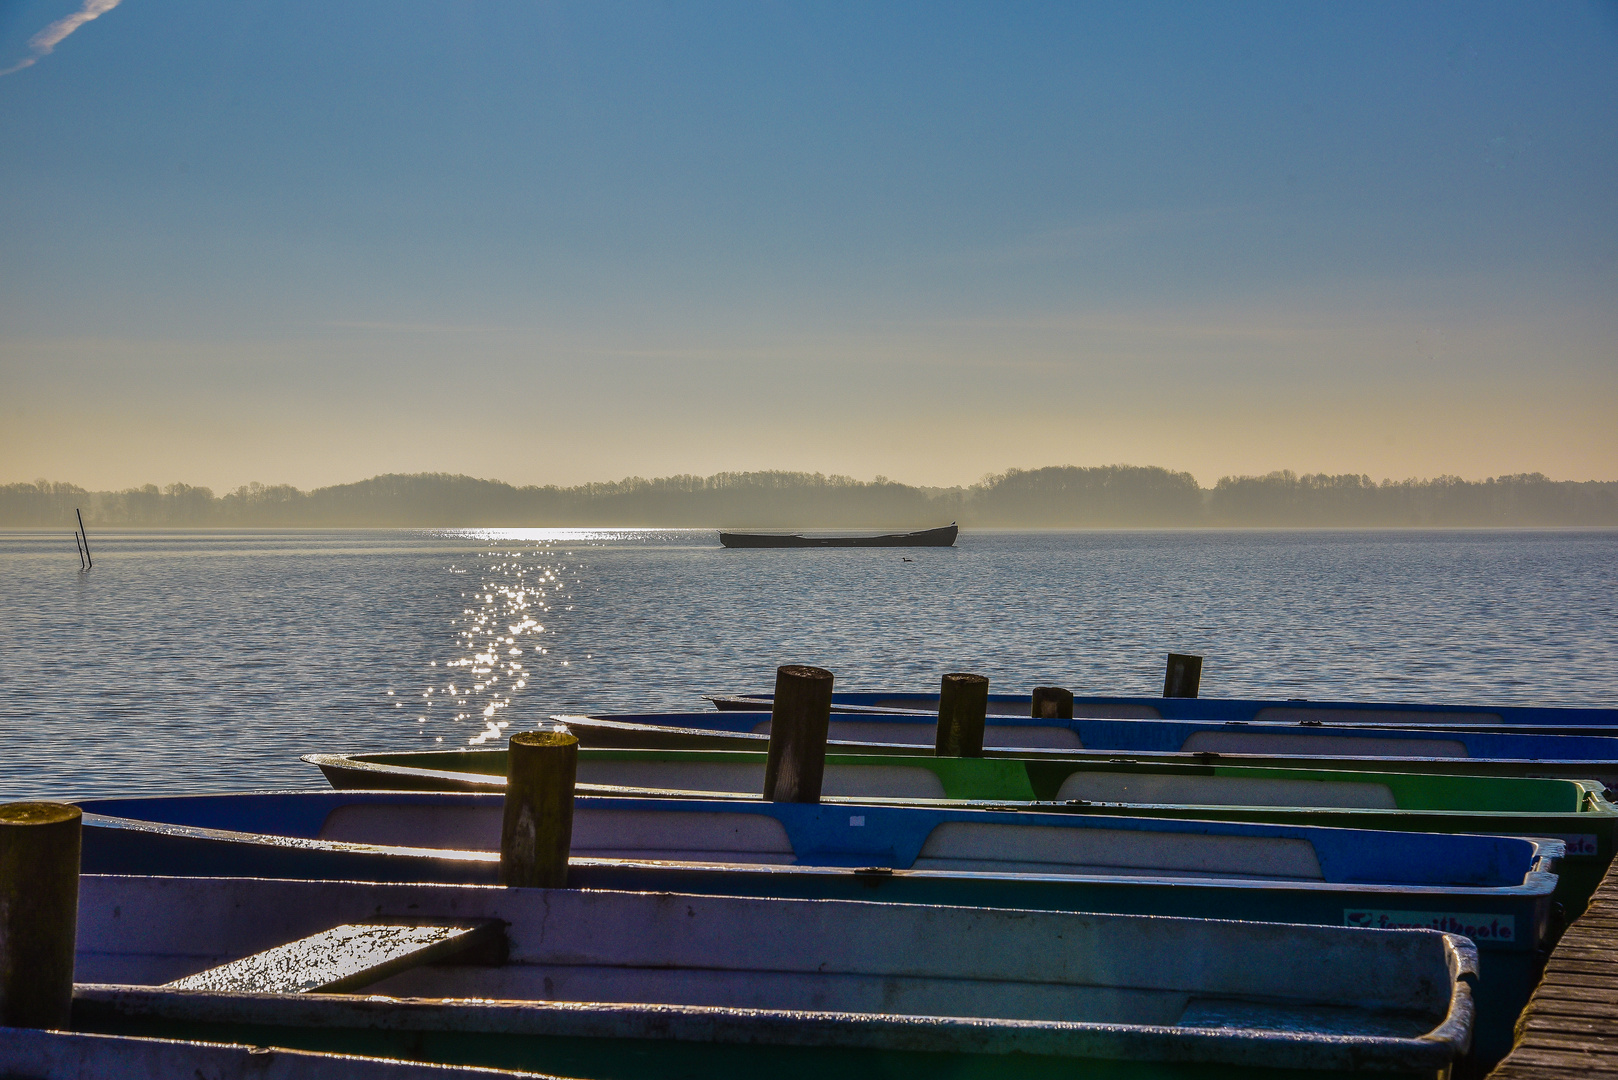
210 661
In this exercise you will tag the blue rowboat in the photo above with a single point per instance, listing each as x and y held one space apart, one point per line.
1277 710
1299 745
1495 890
618 985
1434 794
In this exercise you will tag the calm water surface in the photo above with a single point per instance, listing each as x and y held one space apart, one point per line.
209 661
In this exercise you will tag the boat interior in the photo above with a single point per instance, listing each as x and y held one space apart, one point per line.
186 936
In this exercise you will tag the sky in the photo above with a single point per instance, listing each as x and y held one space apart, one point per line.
307 243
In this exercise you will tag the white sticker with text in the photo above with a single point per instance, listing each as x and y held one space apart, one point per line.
1579 846
1475 925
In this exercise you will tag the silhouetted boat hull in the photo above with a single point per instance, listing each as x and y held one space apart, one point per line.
944 537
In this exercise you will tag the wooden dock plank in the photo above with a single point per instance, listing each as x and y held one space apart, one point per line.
1570 1027
1551 1009
1532 1062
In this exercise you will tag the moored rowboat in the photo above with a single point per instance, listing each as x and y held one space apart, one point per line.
1575 812
943 537
1494 889
915 854
1263 710
618 985
1305 745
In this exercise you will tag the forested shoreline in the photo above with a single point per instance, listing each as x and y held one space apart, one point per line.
1113 496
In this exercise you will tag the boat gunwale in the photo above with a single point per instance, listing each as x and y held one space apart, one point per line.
627 722
31 1052
1220 705
1539 881
1437 766
1077 1040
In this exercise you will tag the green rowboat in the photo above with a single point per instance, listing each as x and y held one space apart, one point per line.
1575 811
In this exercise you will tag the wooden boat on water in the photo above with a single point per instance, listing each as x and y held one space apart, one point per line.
1289 710
944 537
1303 745
623 985
1574 811
1494 889
908 853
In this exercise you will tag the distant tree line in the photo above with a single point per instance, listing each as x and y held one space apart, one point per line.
1112 496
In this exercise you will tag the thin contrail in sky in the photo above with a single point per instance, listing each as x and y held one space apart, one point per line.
47 39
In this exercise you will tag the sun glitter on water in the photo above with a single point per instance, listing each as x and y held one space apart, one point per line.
498 640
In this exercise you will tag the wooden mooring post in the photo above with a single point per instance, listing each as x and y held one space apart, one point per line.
39 910
799 718
1052 703
537 832
1183 677
963 709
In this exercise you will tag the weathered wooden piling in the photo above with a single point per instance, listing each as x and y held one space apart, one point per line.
1183 677
1052 703
798 722
963 709
537 833
39 910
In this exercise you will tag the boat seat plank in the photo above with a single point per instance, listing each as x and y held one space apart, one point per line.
1279 714
1174 789
871 781
626 834
1282 743
343 958
762 989
960 845
1041 736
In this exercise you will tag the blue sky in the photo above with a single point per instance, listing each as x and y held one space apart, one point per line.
553 243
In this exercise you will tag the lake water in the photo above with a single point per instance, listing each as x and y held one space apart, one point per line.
209 661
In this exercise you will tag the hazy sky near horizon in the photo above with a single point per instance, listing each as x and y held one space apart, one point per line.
307 243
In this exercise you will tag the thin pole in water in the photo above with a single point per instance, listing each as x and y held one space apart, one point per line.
89 562
80 548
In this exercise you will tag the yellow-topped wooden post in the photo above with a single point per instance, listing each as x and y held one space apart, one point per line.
39 911
537 833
